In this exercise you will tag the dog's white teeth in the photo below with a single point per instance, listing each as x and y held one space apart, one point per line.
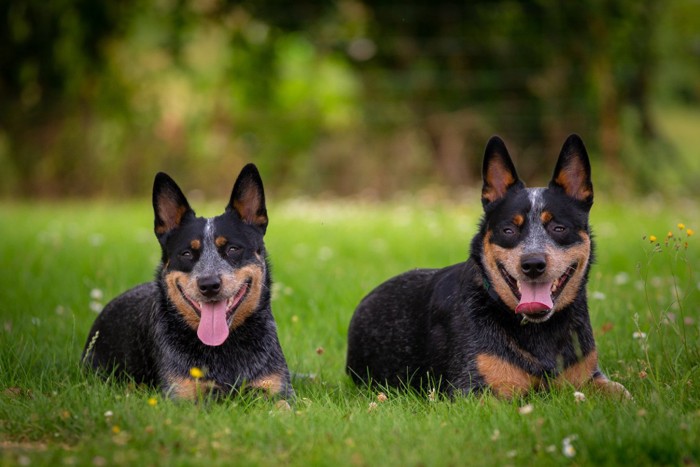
518 284
554 287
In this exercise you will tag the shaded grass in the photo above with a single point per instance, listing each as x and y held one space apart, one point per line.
57 259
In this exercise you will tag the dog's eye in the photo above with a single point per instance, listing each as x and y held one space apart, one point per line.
558 229
187 254
232 250
508 231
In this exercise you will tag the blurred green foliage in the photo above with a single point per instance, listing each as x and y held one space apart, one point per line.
345 97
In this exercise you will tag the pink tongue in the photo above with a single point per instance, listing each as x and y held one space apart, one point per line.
535 297
213 328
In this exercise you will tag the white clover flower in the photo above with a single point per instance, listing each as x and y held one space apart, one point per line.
567 448
96 294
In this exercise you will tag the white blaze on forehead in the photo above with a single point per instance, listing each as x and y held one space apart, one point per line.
210 262
536 239
536 200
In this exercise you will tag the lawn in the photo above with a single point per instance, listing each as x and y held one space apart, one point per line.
61 262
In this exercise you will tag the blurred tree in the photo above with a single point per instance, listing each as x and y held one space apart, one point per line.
328 95
51 54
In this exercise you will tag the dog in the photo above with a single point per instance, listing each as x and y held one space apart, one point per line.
204 325
513 318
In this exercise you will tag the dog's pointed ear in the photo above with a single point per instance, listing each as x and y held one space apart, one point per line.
573 171
169 205
248 198
498 172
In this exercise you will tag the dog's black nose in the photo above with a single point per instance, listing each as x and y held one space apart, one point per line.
533 265
209 286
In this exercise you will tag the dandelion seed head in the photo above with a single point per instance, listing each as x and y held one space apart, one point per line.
381 397
109 413
579 396
526 409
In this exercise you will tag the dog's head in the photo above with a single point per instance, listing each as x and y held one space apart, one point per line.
534 244
214 269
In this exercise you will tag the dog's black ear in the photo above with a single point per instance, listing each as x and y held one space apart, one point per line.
573 171
169 205
498 172
248 198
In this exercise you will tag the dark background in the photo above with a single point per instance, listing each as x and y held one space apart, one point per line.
343 98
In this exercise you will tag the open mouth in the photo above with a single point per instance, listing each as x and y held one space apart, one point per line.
215 315
229 305
536 299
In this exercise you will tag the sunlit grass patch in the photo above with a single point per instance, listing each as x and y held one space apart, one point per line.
59 259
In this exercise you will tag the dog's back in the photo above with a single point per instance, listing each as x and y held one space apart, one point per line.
121 338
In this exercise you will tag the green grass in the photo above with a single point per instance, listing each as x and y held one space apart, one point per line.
325 258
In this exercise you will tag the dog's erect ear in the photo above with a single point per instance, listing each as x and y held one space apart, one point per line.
573 171
248 198
169 205
498 172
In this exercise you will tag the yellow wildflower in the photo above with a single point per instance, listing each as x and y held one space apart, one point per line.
689 232
116 429
669 234
196 373
681 226
652 238
152 401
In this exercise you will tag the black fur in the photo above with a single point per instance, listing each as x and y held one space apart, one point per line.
453 328
144 336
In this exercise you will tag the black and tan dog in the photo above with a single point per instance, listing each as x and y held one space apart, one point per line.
514 316
208 307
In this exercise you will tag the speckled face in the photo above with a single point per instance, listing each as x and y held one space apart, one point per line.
536 244
214 269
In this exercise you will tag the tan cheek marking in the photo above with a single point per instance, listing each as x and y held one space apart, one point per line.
179 387
546 216
578 254
195 244
580 372
505 379
252 301
492 255
220 241
181 305
518 220
271 384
